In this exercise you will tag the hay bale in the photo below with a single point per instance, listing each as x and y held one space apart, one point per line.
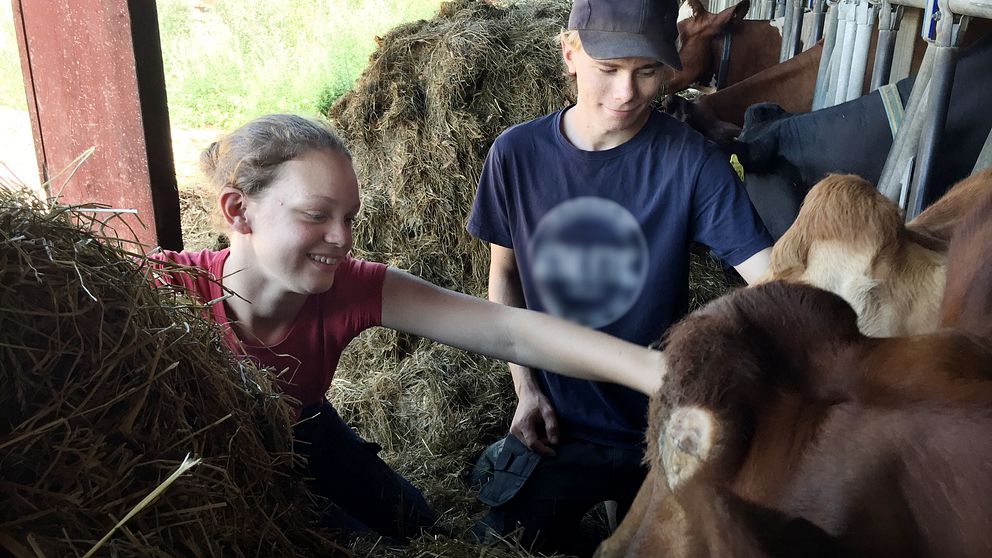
108 384
422 116
419 122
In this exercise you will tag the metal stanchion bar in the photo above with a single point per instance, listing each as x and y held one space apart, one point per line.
943 30
818 8
907 139
767 9
865 19
787 31
945 62
795 39
823 72
973 8
846 53
889 17
985 156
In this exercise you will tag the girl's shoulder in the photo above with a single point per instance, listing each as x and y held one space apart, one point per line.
205 259
197 272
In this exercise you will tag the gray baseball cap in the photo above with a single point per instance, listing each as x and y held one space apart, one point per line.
627 28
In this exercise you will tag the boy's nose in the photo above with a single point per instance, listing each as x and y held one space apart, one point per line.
623 89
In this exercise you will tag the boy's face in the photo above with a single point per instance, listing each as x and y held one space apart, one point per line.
613 95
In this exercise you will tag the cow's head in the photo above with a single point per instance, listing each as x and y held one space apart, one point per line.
696 36
733 375
850 239
701 118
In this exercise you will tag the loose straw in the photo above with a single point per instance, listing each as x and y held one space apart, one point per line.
183 467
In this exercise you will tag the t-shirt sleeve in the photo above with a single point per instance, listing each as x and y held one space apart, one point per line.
362 289
489 218
724 219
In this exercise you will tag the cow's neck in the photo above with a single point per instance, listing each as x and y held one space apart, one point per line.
789 84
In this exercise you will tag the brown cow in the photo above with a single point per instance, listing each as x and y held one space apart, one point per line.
789 85
720 115
968 296
781 430
942 218
755 46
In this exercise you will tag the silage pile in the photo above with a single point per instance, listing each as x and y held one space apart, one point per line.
419 122
108 384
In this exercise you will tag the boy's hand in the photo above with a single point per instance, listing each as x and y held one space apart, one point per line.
535 422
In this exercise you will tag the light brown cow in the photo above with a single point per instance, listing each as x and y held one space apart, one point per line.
849 239
781 430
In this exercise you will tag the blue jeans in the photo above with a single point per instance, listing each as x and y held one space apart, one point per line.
364 493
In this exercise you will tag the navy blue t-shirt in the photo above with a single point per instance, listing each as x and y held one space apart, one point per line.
601 238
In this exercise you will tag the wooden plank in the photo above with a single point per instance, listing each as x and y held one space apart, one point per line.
93 76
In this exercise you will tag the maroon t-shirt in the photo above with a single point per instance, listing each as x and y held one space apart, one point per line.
308 356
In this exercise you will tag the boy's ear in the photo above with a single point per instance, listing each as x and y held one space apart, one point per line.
233 206
566 55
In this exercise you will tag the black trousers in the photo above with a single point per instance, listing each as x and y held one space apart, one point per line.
363 492
548 496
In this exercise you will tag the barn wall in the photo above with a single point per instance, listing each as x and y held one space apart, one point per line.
93 76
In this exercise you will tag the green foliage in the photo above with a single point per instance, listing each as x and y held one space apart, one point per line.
229 60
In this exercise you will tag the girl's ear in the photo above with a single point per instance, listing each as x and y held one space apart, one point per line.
233 205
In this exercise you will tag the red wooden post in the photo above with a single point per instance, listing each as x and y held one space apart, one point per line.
94 78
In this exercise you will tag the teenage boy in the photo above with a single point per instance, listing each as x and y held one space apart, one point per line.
590 212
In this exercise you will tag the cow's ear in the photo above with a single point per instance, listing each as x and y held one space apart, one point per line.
697 8
741 9
729 15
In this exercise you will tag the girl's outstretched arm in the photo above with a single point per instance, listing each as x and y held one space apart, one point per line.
524 337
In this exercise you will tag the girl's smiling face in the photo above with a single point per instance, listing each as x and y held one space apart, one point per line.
301 224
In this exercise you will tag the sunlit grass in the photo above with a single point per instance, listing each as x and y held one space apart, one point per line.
231 60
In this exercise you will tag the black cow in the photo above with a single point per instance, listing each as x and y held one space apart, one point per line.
784 154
